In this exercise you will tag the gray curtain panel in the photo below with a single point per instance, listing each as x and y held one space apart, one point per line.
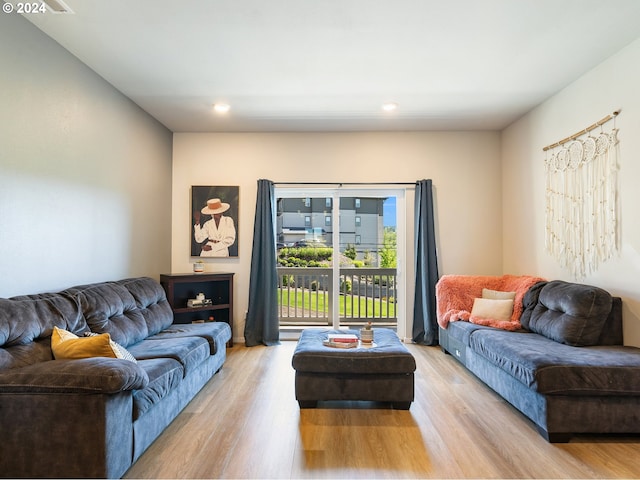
261 327
425 325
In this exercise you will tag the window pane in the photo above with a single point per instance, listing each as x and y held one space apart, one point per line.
311 293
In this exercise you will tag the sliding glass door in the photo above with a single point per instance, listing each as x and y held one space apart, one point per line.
339 264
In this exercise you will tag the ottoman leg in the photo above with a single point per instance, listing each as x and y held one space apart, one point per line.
307 403
401 405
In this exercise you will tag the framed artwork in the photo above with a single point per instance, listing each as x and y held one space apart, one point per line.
214 221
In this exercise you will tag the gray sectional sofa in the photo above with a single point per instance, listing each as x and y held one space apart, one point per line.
93 417
566 369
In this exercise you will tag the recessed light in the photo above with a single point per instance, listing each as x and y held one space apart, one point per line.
221 107
389 106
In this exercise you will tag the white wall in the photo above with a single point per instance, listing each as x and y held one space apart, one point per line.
612 85
465 168
85 174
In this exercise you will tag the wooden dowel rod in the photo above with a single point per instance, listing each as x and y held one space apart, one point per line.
582 132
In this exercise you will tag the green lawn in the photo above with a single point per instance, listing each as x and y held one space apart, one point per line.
350 305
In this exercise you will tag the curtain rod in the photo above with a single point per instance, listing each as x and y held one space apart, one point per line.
582 132
340 184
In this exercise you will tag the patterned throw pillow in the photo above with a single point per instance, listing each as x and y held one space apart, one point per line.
118 350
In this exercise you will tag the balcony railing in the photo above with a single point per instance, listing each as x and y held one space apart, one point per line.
366 295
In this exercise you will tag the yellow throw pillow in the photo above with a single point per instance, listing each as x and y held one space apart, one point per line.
492 309
118 350
65 344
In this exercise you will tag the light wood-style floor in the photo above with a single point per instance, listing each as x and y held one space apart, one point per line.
246 423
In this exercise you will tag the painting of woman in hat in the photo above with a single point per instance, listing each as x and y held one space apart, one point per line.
216 235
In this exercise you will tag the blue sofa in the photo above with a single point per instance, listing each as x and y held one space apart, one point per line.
94 417
566 369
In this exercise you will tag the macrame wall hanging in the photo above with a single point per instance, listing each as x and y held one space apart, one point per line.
581 198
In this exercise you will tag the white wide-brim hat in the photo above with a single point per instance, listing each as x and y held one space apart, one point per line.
214 205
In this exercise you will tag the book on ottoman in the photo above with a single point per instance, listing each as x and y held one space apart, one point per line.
341 340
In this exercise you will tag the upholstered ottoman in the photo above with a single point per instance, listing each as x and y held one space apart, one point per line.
381 373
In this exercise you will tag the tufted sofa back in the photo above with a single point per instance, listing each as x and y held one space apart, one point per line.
129 310
26 323
28 318
573 313
110 308
150 298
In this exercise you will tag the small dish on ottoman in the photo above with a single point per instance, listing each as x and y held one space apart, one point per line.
380 373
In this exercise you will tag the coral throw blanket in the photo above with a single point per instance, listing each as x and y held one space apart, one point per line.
455 295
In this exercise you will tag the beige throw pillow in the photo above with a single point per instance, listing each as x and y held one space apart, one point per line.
498 295
495 309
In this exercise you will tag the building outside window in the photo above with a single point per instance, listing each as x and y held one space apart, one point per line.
315 223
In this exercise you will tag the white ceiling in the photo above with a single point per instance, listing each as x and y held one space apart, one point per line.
328 65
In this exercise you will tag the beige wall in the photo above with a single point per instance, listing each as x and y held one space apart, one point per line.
85 174
465 169
612 85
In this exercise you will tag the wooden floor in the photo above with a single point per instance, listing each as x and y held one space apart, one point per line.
246 423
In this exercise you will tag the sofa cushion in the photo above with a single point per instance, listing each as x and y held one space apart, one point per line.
569 313
462 331
152 302
216 333
23 355
110 308
549 367
85 375
26 318
529 302
612 331
189 351
165 374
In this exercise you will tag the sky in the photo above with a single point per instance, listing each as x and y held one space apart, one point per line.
389 212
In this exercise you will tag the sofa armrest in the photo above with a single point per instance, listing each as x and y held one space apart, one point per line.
87 375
